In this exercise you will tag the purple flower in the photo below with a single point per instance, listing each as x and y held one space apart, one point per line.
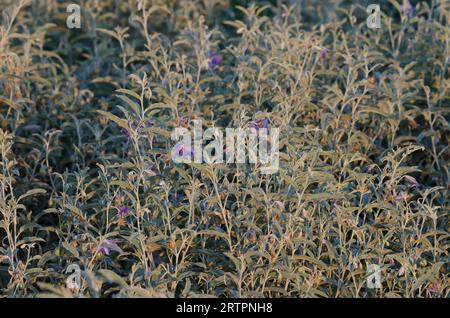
127 134
214 58
183 150
407 8
402 270
401 196
123 211
150 123
434 289
184 122
412 182
107 246
334 206
103 249
260 124
324 54
368 169
264 123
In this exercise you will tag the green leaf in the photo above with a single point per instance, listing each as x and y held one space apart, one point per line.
71 249
31 193
119 121
112 277
133 105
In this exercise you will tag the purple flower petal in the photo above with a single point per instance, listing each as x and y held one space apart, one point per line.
264 123
107 246
184 122
412 181
183 150
260 124
214 58
434 289
401 196
334 206
127 134
104 250
368 169
407 8
150 123
123 211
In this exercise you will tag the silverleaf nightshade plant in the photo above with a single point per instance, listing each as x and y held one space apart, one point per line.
86 176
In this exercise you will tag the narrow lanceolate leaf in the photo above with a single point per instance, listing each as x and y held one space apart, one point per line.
9 103
119 121
32 193
113 277
133 105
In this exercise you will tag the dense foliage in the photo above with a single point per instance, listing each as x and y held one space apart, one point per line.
86 176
